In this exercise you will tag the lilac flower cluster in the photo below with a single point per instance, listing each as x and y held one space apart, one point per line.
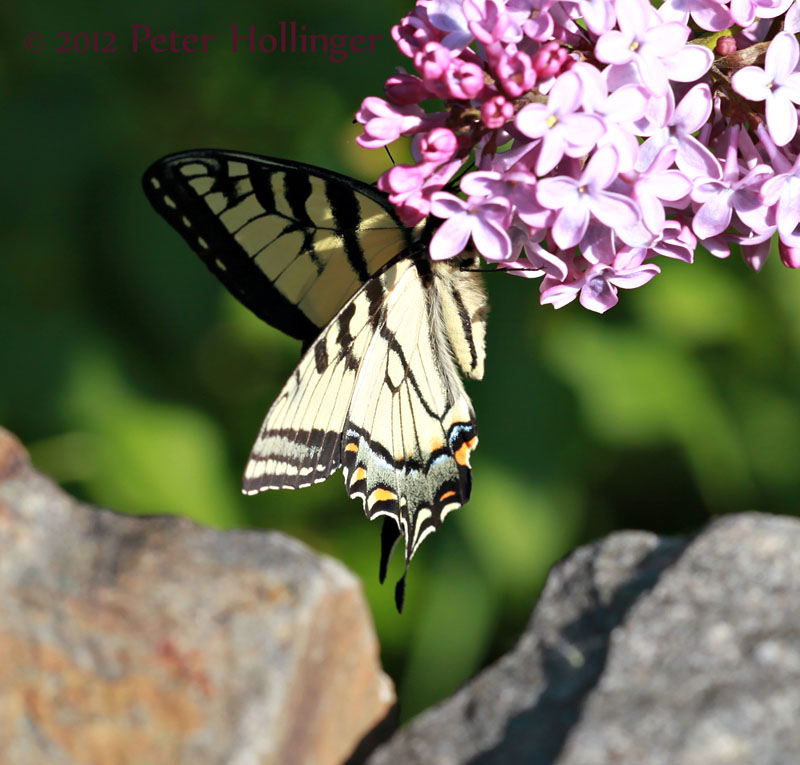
593 136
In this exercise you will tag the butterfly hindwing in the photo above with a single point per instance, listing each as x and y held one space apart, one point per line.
404 439
378 393
292 242
299 442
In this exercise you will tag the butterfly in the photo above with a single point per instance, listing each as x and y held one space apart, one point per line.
384 330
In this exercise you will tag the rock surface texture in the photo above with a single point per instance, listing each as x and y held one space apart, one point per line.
641 651
153 640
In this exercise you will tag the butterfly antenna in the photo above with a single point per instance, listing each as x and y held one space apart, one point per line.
391 158
453 183
497 270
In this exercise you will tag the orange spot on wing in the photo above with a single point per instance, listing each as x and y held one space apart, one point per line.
462 453
359 475
351 447
382 495
447 495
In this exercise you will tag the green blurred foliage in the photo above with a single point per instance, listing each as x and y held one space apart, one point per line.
140 384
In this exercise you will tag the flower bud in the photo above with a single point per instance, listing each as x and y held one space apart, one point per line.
496 112
725 46
790 256
439 145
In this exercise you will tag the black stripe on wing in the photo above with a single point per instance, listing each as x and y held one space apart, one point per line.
298 458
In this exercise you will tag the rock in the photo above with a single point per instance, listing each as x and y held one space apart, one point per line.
153 640
641 650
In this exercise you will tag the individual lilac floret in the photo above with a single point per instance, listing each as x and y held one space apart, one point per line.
410 187
485 220
488 21
515 73
783 190
577 199
618 111
403 89
725 45
447 16
416 29
384 123
496 112
656 50
519 188
778 83
745 12
596 284
550 60
463 81
719 198
689 116
657 183
432 62
438 146
676 241
563 130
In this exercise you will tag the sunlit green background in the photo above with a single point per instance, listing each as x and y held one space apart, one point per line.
138 383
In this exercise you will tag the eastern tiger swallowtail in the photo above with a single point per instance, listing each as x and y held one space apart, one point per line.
384 329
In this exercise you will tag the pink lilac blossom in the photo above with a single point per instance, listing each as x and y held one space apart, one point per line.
579 141
778 83
579 199
484 220
783 192
559 124
647 46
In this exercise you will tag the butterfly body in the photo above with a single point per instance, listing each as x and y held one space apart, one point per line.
385 331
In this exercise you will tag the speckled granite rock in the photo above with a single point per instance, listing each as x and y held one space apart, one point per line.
153 640
641 651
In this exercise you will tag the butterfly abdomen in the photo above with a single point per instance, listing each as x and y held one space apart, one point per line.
460 316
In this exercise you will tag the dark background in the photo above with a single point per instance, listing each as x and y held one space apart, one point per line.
139 383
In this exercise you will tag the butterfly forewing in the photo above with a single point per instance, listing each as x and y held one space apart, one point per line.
291 241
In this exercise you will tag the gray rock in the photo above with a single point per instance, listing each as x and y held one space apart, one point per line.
642 650
153 640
